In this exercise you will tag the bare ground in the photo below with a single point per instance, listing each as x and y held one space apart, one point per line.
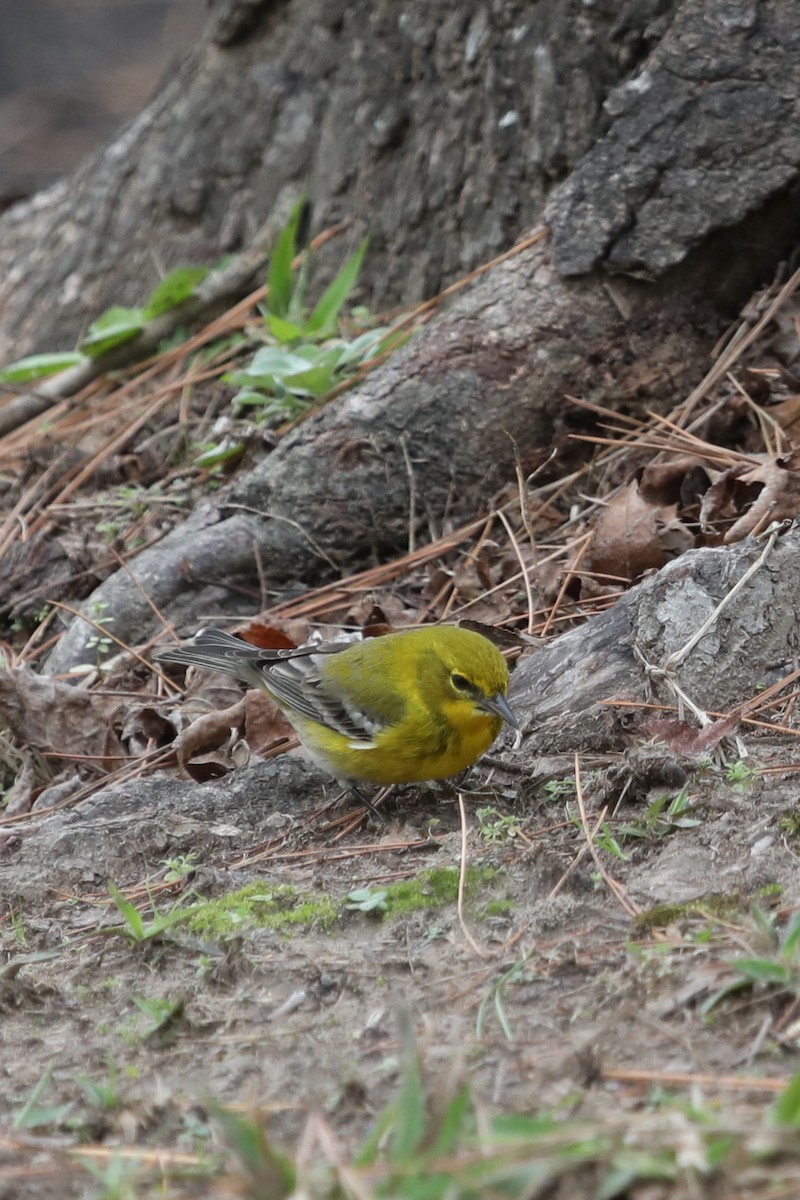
564 1002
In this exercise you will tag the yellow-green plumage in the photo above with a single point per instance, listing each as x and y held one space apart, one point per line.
411 706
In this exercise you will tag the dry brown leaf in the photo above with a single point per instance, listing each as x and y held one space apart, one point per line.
19 797
269 637
785 341
264 723
634 535
205 689
751 497
59 718
787 414
145 726
681 481
685 739
438 586
378 607
209 732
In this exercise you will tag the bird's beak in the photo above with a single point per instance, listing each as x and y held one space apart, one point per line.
499 705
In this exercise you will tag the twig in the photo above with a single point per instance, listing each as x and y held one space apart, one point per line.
614 885
582 547
666 672
735 350
584 850
678 656
524 570
412 495
462 876
733 1083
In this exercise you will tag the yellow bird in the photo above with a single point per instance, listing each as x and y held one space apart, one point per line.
420 704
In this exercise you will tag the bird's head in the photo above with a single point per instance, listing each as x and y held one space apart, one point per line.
472 680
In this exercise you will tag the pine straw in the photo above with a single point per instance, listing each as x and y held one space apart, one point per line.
539 530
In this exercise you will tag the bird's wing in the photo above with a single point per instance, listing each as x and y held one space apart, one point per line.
297 681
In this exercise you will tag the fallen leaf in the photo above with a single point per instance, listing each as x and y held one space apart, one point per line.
264 723
681 481
210 732
60 718
787 414
749 496
633 535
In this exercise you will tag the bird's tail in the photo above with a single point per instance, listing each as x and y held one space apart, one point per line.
220 651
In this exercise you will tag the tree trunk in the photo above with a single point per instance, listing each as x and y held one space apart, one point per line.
442 128
437 127
443 421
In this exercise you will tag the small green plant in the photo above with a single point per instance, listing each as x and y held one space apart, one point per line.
778 962
495 828
101 1094
515 974
216 456
135 928
116 1178
18 925
180 867
269 1172
307 351
559 789
662 817
605 839
34 1115
366 900
157 1020
773 959
741 775
100 643
112 328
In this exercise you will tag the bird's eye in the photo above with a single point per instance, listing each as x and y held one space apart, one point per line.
458 681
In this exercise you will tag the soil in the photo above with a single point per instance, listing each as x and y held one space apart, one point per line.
567 989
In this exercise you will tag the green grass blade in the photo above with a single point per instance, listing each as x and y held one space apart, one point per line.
128 913
279 278
37 366
324 317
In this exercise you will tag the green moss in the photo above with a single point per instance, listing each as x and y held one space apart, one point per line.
283 908
434 888
258 905
498 908
712 905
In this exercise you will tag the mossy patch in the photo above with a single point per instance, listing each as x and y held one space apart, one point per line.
260 905
498 908
435 888
789 824
284 908
713 905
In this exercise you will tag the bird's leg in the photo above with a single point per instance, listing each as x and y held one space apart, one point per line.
378 798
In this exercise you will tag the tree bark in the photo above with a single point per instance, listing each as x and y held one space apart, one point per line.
445 419
436 127
563 692
704 135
